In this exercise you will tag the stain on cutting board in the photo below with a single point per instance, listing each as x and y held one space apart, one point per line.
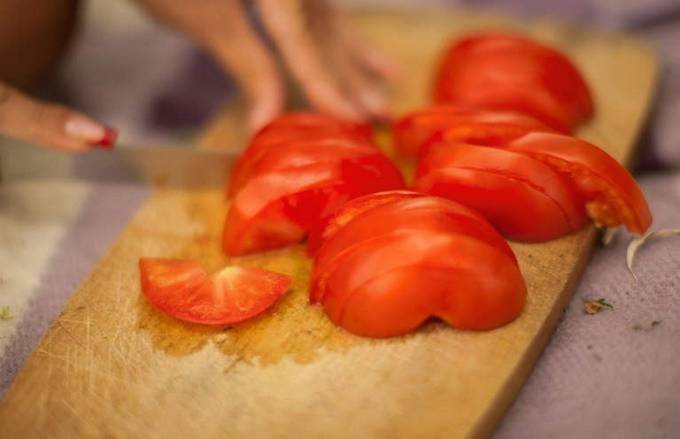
264 340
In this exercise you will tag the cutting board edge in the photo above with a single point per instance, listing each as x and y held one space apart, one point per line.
489 421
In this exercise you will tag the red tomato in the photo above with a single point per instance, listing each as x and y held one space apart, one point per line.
612 197
280 208
415 132
416 214
507 72
293 127
183 290
524 198
303 152
469 284
330 225
400 259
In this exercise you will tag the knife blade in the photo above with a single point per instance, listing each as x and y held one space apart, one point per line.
183 166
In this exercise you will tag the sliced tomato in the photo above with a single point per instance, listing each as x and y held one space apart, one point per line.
612 197
416 132
293 127
390 285
295 154
185 291
508 72
331 224
281 208
414 215
524 198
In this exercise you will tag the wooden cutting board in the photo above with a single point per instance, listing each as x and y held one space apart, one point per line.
110 366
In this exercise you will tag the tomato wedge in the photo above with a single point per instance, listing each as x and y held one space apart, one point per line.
395 261
474 287
331 224
416 132
508 72
301 153
416 214
612 197
281 208
524 198
185 291
293 127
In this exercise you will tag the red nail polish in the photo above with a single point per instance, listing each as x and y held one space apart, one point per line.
108 139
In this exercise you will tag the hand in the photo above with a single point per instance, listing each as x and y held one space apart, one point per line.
47 124
337 71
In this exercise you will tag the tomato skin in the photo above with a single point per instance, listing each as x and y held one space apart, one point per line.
508 72
332 223
281 208
524 198
183 290
296 172
611 195
406 296
417 214
394 262
418 131
293 127
386 287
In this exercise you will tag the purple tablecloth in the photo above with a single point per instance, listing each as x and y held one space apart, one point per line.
615 374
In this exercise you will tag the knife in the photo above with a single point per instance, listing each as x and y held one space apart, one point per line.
176 166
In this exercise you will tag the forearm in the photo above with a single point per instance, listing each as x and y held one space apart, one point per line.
33 37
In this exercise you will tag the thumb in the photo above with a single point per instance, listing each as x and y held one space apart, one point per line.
54 126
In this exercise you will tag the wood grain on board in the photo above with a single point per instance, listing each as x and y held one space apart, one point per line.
110 366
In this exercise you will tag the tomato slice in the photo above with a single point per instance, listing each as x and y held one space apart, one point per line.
330 225
301 153
293 127
333 252
392 284
281 208
525 199
508 72
185 291
406 215
612 197
416 132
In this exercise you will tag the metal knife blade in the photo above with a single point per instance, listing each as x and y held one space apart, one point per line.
182 166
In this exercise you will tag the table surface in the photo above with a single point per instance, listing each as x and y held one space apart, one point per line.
616 363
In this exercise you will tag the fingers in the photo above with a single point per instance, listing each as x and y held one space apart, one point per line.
370 58
285 20
240 51
373 60
50 125
363 90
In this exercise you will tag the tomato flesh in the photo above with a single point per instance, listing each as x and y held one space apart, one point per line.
296 128
507 72
184 290
393 260
612 197
281 208
524 198
417 132
331 224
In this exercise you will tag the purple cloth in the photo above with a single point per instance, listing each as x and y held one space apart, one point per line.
104 215
614 374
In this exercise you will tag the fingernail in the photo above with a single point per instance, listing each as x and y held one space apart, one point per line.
91 132
108 139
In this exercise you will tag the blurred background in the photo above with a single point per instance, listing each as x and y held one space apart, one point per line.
170 87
